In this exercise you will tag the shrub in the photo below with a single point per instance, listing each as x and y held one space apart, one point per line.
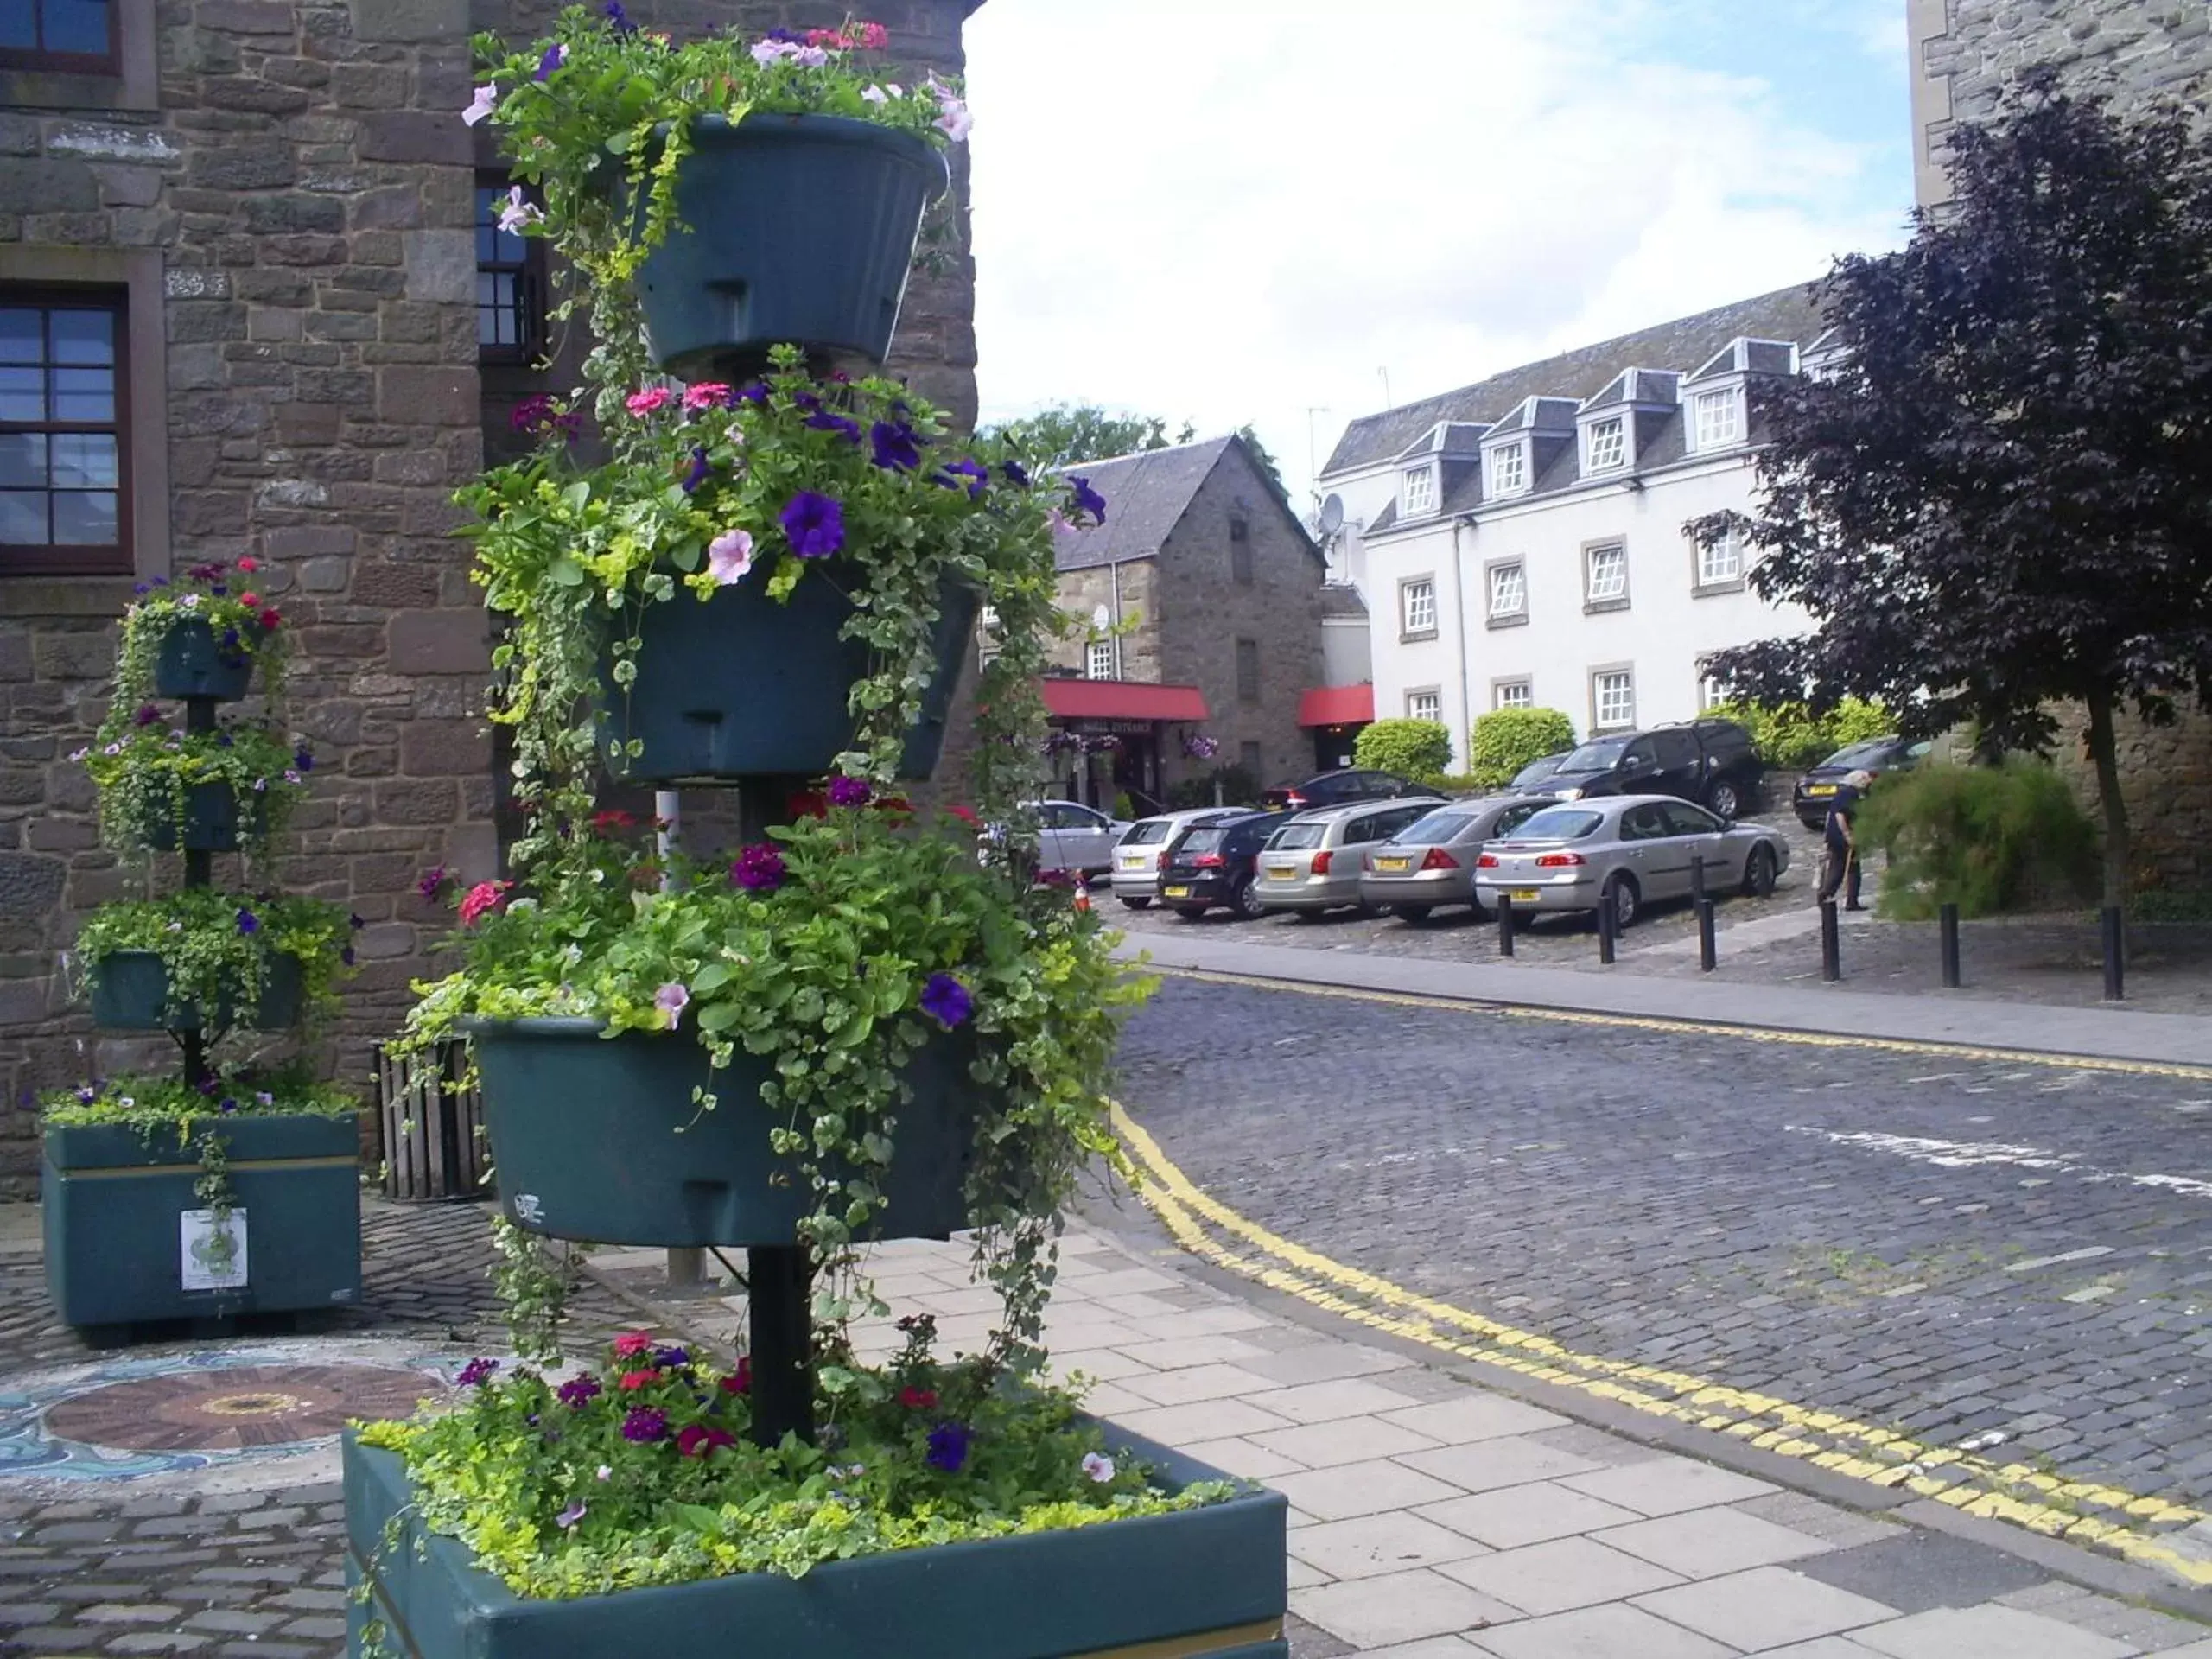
1454 782
1790 735
1408 746
1238 788
1985 838
1506 740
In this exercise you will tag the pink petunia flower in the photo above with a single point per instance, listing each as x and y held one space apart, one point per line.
706 394
953 119
481 106
729 555
642 403
672 1000
518 212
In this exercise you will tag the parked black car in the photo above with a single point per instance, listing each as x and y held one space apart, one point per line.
1711 762
1339 789
1877 754
1215 865
1536 774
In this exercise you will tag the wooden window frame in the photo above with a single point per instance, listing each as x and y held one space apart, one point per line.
38 60
90 559
127 78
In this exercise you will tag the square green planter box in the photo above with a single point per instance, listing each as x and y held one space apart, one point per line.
120 1250
1200 1584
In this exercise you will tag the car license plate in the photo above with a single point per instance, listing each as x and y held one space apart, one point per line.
1394 863
1177 893
1820 789
1133 861
1282 876
1525 895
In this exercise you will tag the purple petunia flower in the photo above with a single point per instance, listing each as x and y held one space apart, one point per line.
147 714
700 470
433 882
228 1105
556 54
1087 500
760 869
948 1446
578 1391
753 391
814 523
476 1373
613 13
248 922
822 421
896 449
946 1000
163 581
848 792
1016 473
978 477
569 1517
645 1423
357 922
142 589
303 760
671 1356
347 956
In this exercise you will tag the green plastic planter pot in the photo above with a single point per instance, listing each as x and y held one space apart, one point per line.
596 1138
193 663
114 1204
1204 1583
211 822
797 229
739 685
130 991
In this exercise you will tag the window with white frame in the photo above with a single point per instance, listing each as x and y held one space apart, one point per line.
1417 606
1712 692
1512 693
1509 590
1509 469
1424 705
1720 559
987 635
1607 578
1099 661
1612 698
1418 492
1604 445
1716 419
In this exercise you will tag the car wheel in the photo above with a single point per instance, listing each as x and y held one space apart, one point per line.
1758 872
1725 798
1624 897
1415 914
1138 904
1244 900
1190 913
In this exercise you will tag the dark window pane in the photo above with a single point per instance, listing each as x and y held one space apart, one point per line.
83 394
19 24
83 518
75 26
22 460
19 338
23 395
84 460
84 336
22 517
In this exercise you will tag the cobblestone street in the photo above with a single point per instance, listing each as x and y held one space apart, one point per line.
1952 1247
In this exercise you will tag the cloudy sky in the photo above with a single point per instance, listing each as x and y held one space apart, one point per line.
1240 210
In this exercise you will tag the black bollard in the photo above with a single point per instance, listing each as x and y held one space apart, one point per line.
1947 920
1707 954
2115 941
1605 929
1697 878
1504 924
1831 951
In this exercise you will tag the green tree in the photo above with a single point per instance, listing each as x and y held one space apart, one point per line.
1065 434
1263 458
1506 740
1416 748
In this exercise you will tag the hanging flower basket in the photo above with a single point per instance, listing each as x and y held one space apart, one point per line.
193 663
211 823
801 228
738 684
130 992
597 1138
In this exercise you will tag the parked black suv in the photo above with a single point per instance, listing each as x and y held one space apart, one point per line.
1339 789
1713 761
1215 865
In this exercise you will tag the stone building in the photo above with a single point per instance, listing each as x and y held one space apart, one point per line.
275 207
1202 597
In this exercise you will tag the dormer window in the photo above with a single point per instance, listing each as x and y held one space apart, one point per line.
1716 419
1417 493
1604 445
1507 470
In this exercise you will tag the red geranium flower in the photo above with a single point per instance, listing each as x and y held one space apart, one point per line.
807 804
485 895
270 619
639 1379
614 818
248 564
633 1341
918 1399
966 815
252 601
740 1380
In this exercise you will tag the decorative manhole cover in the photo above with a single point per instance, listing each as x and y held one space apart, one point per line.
234 1410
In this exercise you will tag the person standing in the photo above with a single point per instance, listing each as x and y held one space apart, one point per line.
1840 868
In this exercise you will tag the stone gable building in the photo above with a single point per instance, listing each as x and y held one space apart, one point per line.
269 223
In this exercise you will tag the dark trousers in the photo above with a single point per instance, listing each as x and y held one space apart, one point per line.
1840 870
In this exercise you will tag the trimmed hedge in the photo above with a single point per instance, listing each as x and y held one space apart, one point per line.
1408 746
1506 740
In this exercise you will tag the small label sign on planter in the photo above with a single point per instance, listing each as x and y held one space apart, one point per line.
213 1252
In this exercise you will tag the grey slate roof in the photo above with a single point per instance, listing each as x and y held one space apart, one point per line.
1788 314
1147 495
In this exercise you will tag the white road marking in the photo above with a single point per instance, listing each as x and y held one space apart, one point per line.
1969 1154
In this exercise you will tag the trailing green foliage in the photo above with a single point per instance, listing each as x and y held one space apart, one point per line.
241 626
1790 737
1410 747
216 947
1988 839
146 772
169 1109
1506 740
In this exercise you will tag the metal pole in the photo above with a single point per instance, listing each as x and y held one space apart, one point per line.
1605 931
2110 926
685 1266
1830 955
1946 918
779 1284
1504 924
1707 955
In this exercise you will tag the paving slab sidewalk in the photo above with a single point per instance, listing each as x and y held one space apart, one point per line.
2040 1029
1435 1518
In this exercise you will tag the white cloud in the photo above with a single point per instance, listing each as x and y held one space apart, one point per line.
1213 209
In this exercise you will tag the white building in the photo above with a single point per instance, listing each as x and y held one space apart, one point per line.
1520 541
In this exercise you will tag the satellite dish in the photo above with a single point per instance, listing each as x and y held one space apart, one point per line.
1101 618
1333 515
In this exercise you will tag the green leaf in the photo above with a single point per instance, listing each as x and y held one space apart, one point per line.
566 571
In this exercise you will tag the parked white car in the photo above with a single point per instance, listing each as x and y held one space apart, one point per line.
1076 838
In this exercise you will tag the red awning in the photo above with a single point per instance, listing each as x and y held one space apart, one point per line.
1122 700
1336 705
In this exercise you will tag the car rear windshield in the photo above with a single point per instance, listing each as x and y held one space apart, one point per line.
1432 830
1861 754
1300 835
1559 823
1145 833
1200 841
1595 757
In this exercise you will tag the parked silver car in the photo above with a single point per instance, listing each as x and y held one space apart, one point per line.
1431 862
1311 864
1139 854
1625 851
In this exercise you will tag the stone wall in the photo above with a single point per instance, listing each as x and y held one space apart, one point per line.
1134 594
